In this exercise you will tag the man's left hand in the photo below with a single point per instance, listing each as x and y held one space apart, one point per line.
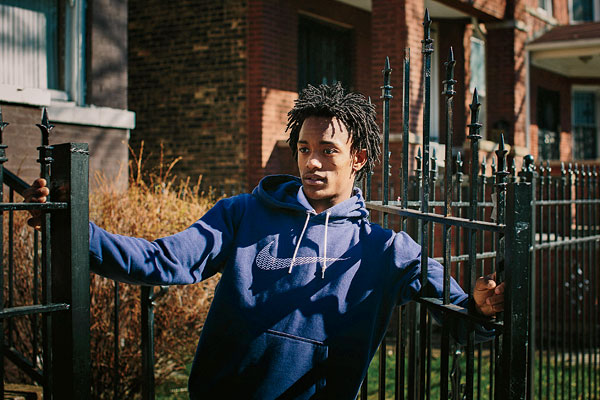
488 295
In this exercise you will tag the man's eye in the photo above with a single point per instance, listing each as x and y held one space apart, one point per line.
303 150
329 151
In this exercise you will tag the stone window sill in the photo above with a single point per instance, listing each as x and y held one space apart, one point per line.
67 112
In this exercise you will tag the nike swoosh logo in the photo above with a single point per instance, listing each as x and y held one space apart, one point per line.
267 262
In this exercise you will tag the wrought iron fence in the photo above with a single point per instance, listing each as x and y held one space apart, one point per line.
555 300
56 310
563 356
488 233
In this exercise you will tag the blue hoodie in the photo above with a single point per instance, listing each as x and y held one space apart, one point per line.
303 301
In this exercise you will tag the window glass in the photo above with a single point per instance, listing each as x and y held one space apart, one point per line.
585 132
548 121
324 53
583 10
29 43
477 68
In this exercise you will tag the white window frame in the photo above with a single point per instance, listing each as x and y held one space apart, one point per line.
547 10
595 18
74 65
590 89
482 92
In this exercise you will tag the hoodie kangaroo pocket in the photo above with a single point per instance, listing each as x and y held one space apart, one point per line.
284 366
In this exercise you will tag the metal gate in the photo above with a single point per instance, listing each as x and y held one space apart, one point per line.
57 356
488 232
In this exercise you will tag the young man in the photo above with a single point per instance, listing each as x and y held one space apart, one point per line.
308 284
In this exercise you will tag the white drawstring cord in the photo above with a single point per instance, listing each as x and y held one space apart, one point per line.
298 244
324 267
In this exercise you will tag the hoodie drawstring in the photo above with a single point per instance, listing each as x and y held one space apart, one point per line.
298 244
324 267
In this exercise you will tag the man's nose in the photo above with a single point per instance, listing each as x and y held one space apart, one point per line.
313 162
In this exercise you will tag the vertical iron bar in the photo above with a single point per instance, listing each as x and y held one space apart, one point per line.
45 159
563 280
433 176
548 274
577 269
540 284
501 187
427 49
556 289
3 159
474 136
413 376
11 271
513 358
386 95
571 299
147 343
528 174
116 344
595 285
405 131
501 251
447 233
482 241
36 289
589 267
71 274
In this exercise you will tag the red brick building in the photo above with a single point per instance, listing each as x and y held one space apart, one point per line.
69 56
213 81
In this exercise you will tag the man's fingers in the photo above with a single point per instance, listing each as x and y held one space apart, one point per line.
485 283
39 183
500 288
493 300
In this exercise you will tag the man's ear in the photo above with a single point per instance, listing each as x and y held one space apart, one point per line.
359 160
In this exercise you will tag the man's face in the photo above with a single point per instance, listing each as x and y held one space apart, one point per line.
326 161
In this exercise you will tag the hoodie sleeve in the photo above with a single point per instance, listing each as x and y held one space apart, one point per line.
187 257
407 268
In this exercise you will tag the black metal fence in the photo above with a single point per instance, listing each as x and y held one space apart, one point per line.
55 306
565 335
540 234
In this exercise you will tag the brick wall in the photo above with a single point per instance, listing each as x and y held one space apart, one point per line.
107 53
187 85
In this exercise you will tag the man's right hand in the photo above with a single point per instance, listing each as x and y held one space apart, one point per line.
37 193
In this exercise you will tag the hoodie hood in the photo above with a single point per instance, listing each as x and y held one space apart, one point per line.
281 191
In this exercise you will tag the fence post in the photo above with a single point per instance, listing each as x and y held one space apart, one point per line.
512 371
71 363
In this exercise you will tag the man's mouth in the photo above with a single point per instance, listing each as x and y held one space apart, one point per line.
312 179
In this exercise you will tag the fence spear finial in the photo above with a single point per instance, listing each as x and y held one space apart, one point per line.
45 128
459 161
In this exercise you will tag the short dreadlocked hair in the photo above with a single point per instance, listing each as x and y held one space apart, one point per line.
352 109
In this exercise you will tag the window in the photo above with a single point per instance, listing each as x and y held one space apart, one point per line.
584 10
585 126
545 5
477 67
324 53
548 121
41 46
